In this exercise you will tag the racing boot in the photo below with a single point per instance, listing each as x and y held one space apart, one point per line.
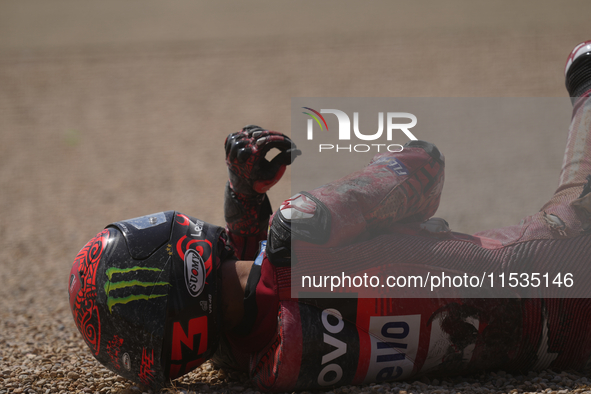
577 71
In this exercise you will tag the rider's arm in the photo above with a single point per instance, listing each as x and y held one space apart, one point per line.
246 206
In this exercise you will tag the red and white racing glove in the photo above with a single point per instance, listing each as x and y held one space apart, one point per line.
246 207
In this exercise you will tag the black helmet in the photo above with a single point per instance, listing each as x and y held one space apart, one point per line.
145 295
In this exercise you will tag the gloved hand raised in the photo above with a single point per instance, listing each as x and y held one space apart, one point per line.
246 206
250 172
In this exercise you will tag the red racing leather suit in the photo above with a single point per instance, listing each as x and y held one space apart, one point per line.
289 343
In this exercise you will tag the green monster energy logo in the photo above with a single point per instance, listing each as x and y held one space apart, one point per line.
111 286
